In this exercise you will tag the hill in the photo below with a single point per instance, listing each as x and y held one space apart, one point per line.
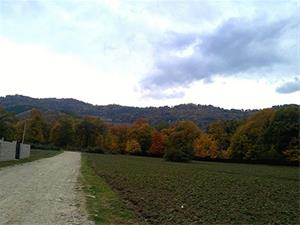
202 115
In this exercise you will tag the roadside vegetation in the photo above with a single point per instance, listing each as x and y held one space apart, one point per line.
103 204
195 193
34 155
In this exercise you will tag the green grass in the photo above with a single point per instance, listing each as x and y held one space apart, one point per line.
200 192
34 155
103 205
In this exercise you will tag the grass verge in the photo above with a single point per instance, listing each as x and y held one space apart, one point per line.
103 204
34 155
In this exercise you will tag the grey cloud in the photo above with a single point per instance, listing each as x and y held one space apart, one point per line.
289 87
236 46
172 40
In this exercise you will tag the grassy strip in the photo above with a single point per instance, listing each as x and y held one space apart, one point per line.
34 155
103 205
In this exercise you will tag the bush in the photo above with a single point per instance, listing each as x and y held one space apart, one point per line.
94 150
176 155
44 147
292 155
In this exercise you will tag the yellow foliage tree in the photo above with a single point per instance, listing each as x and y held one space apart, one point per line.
142 132
133 147
205 147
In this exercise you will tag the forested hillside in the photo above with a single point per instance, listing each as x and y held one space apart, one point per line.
202 115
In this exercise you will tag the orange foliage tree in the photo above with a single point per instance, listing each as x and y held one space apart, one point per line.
158 146
119 138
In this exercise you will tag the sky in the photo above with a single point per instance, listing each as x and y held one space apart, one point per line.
231 54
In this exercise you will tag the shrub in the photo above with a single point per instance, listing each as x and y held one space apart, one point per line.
177 155
292 155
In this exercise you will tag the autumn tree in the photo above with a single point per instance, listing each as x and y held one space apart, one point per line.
119 138
141 131
181 140
205 147
248 141
282 135
19 130
89 132
221 132
283 132
162 125
36 128
133 147
157 146
62 133
110 143
107 143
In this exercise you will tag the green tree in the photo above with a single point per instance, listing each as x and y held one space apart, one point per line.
283 132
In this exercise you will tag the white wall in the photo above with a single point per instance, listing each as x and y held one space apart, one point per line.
7 150
24 151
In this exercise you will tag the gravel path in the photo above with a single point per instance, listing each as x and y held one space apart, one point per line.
43 192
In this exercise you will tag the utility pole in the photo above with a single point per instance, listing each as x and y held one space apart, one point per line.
24 131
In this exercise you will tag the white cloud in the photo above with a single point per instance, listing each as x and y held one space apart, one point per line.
230 92
35 71
240 93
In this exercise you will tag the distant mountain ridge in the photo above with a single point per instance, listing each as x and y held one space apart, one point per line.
200 114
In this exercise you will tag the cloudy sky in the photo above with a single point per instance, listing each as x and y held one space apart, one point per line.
232 54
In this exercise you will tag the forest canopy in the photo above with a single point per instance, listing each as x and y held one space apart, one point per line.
267 135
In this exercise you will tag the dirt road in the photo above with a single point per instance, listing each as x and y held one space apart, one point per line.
43 192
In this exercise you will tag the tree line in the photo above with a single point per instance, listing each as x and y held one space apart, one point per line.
267 135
